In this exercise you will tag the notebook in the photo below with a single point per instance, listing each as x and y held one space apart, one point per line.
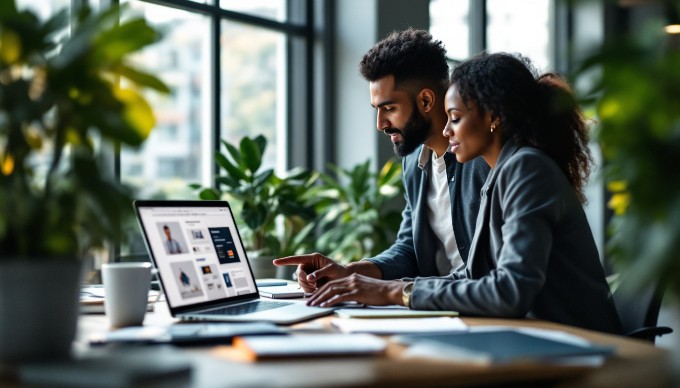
203 267
502 346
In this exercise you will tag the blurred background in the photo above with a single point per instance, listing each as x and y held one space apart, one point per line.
288 70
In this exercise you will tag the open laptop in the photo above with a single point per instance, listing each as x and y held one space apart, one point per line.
203 268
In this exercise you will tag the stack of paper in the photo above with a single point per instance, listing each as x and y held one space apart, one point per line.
389 312
395 326
307 345
92 299
282 292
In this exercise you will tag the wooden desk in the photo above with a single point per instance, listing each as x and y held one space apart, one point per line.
636 363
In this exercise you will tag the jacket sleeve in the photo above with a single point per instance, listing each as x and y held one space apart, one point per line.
524 209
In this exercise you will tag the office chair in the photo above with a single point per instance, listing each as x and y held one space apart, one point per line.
638 309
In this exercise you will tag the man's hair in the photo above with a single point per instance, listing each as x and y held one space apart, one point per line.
410 56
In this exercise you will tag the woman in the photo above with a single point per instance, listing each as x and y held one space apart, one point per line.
533 254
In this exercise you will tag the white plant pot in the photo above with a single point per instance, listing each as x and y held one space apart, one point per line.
38 308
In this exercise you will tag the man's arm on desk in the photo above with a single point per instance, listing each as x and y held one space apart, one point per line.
315 269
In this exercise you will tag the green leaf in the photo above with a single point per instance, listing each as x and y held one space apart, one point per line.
233 151
254 215
251 154
8 9
263 177
228 180
210 194
114 44
141 78
261 142
232 170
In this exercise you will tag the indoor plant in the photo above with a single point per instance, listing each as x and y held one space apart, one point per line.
60 98
262 197
355 216
637 97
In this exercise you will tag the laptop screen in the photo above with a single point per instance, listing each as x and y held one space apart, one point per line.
197 250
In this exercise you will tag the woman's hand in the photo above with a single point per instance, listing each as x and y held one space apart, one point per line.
359 288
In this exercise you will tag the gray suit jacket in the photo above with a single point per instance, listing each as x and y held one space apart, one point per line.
533 254
413 253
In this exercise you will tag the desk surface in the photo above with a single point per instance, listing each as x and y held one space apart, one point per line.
635 364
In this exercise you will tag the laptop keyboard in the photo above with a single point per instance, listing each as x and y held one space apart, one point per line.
246 308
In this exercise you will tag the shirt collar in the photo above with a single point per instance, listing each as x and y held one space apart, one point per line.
424 157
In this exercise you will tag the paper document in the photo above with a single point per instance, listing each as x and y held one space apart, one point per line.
92 299
282 292
372 313
403 325
307 345
186 333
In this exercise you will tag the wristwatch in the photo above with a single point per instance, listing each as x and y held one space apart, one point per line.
406 294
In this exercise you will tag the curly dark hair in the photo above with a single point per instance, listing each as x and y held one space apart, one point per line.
539 111
410 56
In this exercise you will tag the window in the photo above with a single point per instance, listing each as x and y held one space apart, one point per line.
253 85
250 57
449 23
182 60
522 26
270 9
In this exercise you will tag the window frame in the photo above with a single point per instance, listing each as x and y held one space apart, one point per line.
301 27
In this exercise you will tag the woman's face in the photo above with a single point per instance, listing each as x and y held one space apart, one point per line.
469 132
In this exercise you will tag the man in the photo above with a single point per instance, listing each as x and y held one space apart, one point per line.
408 79
171 245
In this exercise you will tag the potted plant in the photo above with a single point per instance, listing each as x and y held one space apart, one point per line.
355 216
275 212
638 108
60 99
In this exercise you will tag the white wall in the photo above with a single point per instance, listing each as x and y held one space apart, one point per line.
356 138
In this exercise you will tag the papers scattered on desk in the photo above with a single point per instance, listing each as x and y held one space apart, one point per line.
282 292
92 299
402 325
187 333
310 345
372 312
506 345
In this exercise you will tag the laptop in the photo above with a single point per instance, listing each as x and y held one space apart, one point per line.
203 268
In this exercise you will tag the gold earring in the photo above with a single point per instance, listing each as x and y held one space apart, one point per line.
493 126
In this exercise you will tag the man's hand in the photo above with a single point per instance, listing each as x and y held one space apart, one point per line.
314 270
359 288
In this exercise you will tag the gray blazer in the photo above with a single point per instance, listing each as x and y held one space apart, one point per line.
532 255
413 252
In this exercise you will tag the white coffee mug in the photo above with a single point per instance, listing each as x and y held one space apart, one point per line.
126 292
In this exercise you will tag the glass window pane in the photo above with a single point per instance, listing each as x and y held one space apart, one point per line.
270 9
449 23
253 88
178 151
520 26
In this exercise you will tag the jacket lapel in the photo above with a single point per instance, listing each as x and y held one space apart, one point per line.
481 260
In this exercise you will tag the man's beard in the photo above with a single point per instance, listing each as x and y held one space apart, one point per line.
414 134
